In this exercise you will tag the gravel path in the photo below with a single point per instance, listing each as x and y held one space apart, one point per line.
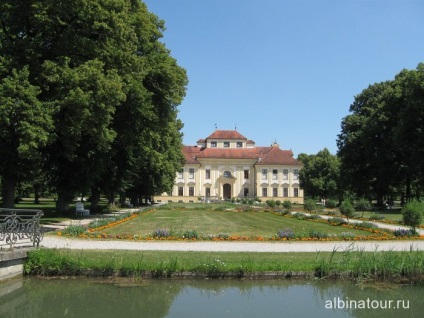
61 242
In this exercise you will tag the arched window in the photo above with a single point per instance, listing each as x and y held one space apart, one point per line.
227 174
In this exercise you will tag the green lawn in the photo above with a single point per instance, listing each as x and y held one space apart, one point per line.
392 215
213 222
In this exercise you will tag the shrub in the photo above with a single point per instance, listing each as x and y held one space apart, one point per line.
287 205
405 232
412 214
313 217
337 221
271 203
366 225
362 205
161 233
347 235
251 201
309 205
190 234
74 230
376 217
299 216
223 236
347 209
278 202
331 204
317 234
286 233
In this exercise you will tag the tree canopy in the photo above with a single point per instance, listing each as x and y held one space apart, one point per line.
382 140
319 176
89 93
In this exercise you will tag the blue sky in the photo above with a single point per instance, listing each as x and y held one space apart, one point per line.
285 70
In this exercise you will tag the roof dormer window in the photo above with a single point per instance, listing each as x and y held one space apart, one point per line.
226 144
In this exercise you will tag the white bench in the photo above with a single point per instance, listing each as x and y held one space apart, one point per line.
79 209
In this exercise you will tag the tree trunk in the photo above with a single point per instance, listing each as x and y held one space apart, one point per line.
95 198
37 194
8 191
62 203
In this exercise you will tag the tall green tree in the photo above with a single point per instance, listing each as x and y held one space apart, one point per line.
24 128
320 174
100 67
381 141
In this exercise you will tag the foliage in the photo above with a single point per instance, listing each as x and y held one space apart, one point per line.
74 230
319 176
93 94
377 217
337 221
271 203
347 209
412 214
313 233
383 137
310 205
362 205
405 233
287 205
286 234
331 204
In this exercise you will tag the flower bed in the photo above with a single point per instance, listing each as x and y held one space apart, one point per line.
375 233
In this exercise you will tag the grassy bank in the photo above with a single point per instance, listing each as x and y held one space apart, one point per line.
376 265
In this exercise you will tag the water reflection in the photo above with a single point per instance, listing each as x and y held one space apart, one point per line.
201 298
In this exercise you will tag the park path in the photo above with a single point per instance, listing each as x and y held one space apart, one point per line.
230 246
51 241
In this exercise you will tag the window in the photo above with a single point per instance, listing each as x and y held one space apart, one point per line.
208 192
213 144
285 192
274 174
180 191
227 174
239 144
246 192
296 192
275 192
264 192
264 174
246 174
191 173
180 174
285 174
208 174
295 174
191 191
226 144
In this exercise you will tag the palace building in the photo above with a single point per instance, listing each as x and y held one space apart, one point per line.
227 165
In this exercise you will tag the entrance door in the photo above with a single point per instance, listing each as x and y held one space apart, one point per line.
227 191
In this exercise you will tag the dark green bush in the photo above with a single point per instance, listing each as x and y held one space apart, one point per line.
331 204
309 205
412 214
347 209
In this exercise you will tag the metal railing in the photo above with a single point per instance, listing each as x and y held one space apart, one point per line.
20 226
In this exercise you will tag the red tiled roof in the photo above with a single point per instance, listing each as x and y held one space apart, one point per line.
190 153
231 153
226 134
276 156
263 155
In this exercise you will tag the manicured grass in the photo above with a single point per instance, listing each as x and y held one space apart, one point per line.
347 264
392 215
216 219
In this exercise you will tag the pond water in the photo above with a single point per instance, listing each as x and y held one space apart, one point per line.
76 297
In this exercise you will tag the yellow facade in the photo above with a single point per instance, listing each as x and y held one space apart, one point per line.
226 165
